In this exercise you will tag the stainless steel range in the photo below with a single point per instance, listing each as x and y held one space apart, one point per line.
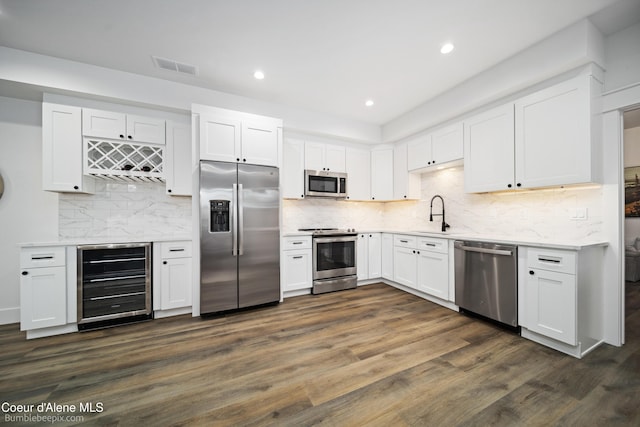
334 259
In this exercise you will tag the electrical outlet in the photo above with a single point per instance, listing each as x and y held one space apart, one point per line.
579 214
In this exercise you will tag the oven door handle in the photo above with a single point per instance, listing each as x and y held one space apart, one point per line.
486 251
335 239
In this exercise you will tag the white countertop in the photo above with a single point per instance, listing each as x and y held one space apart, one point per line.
508 240
106 240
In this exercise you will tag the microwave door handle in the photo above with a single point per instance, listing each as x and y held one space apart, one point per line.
234 222
240 219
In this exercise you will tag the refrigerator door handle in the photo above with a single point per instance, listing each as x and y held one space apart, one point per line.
234 222
240 220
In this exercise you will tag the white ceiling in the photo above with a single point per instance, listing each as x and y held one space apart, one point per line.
324 55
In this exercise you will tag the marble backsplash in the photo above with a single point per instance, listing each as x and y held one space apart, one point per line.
121 210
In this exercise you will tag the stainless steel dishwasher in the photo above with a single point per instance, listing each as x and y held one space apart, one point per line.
486 279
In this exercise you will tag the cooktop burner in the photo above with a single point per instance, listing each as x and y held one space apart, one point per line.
330 231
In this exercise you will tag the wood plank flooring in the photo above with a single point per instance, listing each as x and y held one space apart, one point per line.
373 356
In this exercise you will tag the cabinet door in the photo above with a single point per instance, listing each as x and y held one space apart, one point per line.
292 177
178 162
489 151
447 144
259 144
419 152
335 158
382 174
145 129
62 150
298 270
375 255
359 174
43 298
387 256
176 280
550 302
405 266
104 124
406 185
433 273
552 138
314 156
219 139
362 252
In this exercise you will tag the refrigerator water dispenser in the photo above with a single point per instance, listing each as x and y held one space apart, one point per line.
219 216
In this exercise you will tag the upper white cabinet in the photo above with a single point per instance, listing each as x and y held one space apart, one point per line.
489 150
178 159
62 150
382 174
442 146
554 140
406 185
113 125
359 174
292 174
544 139
325 157
239 140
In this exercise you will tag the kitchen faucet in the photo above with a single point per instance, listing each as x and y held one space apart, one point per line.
431 214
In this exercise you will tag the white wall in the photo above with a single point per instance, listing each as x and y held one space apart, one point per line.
622 58
27 213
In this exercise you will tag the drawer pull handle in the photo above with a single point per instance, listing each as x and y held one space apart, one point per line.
297 257
296 243
177 250
404 241
431 244
550 259
41 257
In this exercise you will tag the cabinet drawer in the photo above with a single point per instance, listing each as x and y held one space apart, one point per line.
296 242
552 260
404 241
433 245
50 256
181 249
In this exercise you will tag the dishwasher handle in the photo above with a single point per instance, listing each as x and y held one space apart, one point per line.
486 251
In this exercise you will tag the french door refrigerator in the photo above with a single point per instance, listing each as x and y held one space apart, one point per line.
239 236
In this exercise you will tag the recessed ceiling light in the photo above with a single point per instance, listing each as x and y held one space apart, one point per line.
369 102
258 75
446 48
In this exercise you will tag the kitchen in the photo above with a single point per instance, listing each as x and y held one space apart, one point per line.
540 214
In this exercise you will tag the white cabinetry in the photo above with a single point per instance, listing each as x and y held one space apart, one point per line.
178 160
62 150
237 138
43 287
544 139
422 264
489 151
386 252
325 157
442 146
297 264
358 162
560 297
113 125
172 278
382 174
405 261
406 185
292 174
369 253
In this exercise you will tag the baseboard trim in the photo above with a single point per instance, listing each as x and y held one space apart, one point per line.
9 315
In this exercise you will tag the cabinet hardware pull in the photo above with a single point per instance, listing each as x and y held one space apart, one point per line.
41 257
176 250
164 262
549 259
24 273
404 241
431 244
296 243
297 257
531 272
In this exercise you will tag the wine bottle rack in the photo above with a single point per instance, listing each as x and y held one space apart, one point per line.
122 161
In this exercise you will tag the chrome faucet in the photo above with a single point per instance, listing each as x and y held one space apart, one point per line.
431 214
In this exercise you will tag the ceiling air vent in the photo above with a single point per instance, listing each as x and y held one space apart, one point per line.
171 65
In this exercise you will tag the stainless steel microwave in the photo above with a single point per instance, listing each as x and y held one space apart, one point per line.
325 184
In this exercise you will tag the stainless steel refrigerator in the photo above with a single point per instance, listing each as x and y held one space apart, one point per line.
239 236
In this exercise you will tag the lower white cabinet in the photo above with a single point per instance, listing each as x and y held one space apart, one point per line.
386 264
560 297
43 287
422 264
297 263
172 275
433 273
369 253
405 261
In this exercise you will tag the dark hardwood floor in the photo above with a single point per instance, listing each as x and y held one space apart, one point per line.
371 356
